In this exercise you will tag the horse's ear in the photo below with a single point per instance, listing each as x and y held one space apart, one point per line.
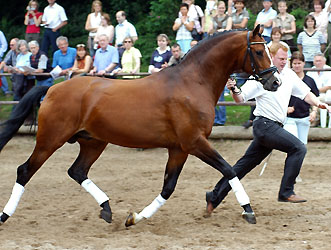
256 30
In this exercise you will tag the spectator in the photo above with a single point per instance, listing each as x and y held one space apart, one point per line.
83 61
221 21
210 11
265 18
327 9
3 49
276 34
124 29
54 18
32 20
41 63
10 60
196 14
323 82
321 18
106 58
177 55
93 21
65 56
22 83
240 16
183 26
130 59
161 55
310 41
104 29
286 22
298 114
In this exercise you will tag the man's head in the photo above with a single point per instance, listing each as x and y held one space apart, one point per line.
267 4
34 47
62 43
103 41
51 2
13 43
279 55
120 16
176 51
319 60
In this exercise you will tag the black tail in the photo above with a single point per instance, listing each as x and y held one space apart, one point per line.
20 113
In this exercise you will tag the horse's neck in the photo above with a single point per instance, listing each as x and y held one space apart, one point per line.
216 66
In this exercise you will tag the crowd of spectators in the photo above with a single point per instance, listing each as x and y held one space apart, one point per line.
111 49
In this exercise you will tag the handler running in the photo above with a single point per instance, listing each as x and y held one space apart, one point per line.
270 112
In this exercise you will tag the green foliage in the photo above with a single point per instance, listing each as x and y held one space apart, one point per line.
299 15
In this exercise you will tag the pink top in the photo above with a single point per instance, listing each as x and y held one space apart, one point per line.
31 27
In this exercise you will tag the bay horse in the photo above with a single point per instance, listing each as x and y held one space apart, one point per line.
172 109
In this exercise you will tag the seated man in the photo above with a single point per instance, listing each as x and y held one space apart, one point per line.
65 56
177 55
106 58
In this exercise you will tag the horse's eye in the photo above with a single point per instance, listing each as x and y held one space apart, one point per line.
259 53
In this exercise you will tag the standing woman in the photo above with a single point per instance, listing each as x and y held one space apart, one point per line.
221 21
83 61
240 16
286 22
183 26
321 17
32 21
299 116
276 34
93 21
310 41
195 13
105 28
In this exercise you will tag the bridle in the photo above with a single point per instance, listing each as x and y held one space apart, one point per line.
257 74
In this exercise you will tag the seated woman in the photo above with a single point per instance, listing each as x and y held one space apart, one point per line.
83 61
161 55
130 59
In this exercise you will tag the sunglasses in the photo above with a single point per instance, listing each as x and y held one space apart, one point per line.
127 42
80 45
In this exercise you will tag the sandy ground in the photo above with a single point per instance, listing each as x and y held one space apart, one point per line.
56 213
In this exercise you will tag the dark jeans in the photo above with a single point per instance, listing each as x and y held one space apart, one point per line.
268 135
49 39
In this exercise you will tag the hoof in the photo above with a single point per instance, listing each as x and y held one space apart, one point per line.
209 206
3 218
130 220
249 217
106 215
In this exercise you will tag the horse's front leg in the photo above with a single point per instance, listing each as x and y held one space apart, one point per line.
206 153
174 166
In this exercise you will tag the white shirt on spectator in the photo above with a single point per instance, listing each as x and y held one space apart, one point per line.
263 17
322 79
193 13
54 16
123 30
183 33
273 105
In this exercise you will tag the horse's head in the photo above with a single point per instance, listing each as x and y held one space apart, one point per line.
257 61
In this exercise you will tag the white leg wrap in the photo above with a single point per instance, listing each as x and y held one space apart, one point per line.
15 197
239 191
96 192
152 208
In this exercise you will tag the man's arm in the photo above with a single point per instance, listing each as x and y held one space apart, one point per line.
235 91
314 101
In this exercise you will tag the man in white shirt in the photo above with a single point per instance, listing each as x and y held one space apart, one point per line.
270 112
124 29
54 18
323 82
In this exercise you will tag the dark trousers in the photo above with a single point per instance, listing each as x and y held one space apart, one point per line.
21 85
268 135
49 39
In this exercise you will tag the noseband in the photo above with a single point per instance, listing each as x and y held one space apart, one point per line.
257 74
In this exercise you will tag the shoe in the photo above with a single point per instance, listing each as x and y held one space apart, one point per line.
218 124
293 199
209 207
248 124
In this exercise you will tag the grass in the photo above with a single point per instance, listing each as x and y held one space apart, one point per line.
235 115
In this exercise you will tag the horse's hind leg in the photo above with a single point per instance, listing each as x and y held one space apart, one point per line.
206 153
174 166
90 150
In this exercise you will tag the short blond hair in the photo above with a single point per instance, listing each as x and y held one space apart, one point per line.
275 47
